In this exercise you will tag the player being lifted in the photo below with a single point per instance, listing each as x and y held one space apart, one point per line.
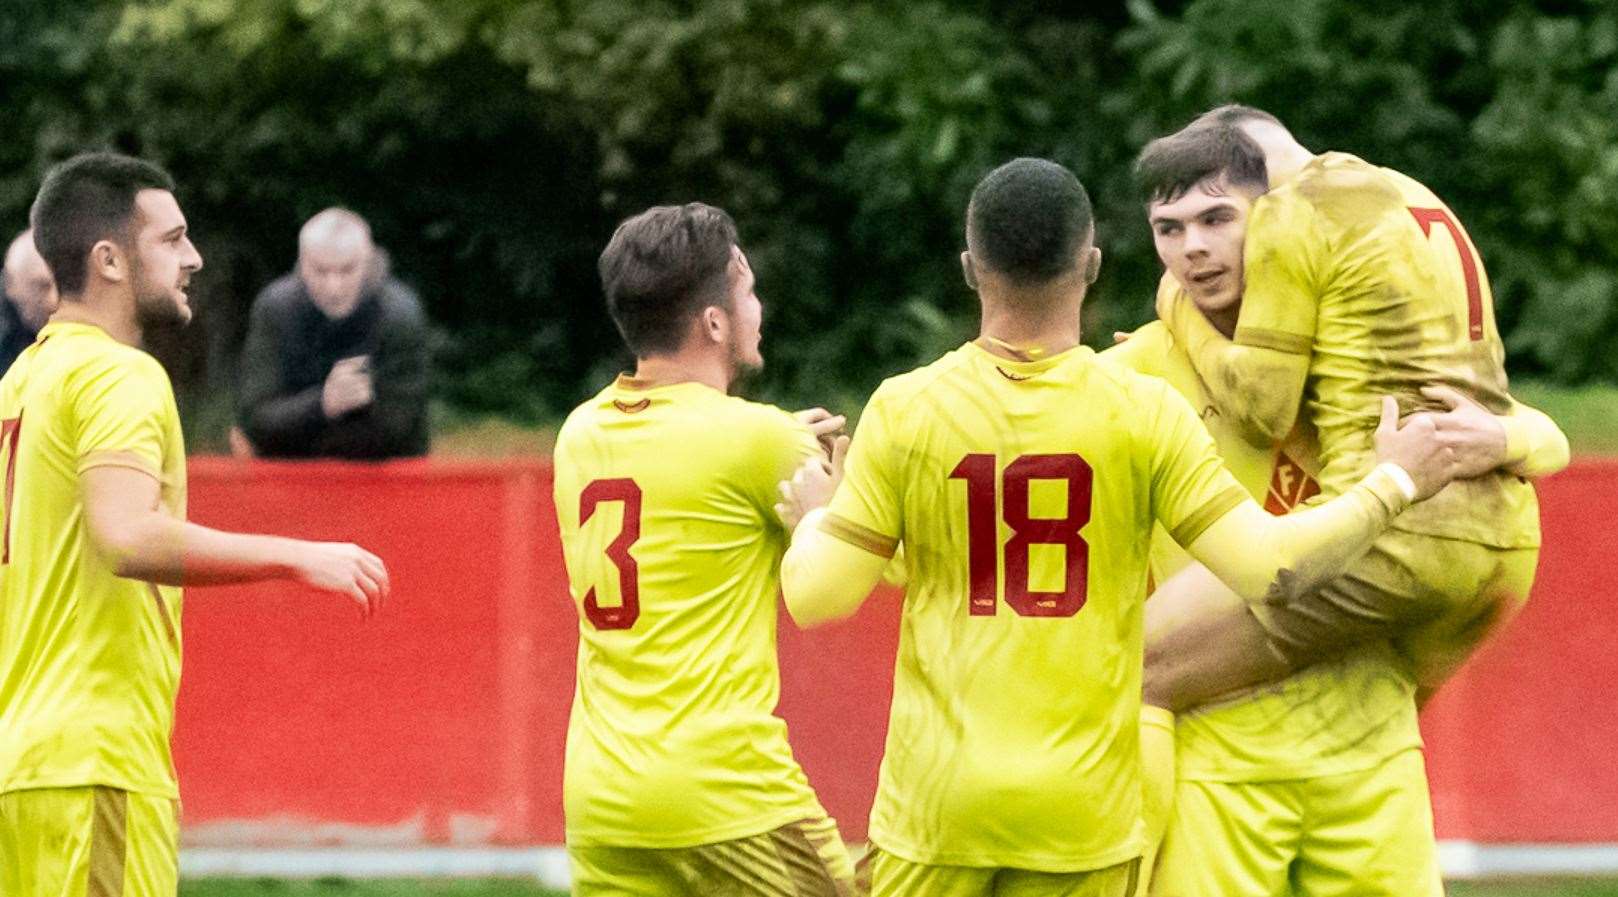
1358 281
96 542
679 778
1023 477
1314 786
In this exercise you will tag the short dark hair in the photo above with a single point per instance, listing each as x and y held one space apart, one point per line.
1028 219
84 200
663 267
1213 146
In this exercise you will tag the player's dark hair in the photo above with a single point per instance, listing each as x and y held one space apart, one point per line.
662 268
1027 220
84 200
1212 146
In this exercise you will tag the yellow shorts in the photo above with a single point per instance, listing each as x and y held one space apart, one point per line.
1437 598
804 859
1364 833
88 842
891 876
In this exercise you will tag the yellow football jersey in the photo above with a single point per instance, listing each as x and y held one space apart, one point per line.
665 497
1344 715
1024 494
1373 277
89 661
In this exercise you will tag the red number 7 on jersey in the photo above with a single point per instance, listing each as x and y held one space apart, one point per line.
1469 265
10 430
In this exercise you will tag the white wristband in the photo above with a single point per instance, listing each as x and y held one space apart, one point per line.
1401 478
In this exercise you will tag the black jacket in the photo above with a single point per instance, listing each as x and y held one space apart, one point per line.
14 334
291 347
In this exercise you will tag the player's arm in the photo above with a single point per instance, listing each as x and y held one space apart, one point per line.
1535 445
1259 376
127 526
122 412
823 578
842 545
1267 558
1524 441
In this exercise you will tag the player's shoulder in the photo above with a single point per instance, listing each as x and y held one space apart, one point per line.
1104 373
1340 187
88 354
757 426
1139 394
583 415
1146 350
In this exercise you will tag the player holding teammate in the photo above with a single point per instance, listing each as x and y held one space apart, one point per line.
1358 280
96 542
1313 786
1022 477
679 778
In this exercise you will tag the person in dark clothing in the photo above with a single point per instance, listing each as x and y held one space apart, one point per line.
30 297
335 364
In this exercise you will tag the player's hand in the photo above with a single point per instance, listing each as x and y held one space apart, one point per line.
345 569
1476 435
812 486
1119 337
823 424
1416 446
348 386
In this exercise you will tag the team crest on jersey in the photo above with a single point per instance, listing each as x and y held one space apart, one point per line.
632 407
1290 485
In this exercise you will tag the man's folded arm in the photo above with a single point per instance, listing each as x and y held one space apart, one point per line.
1259 378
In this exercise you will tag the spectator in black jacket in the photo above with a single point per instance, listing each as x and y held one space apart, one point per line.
30 297
335 364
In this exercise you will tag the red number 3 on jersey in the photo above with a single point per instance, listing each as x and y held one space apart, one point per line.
628 611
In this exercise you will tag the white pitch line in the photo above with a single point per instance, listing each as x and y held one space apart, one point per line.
1469 859
548 865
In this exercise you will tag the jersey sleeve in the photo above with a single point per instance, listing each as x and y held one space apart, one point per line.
780 443
1282 261
1535 445
1258 383
865 512
122 409
1190 487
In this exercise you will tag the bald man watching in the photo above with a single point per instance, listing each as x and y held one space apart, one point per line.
335 364
30 297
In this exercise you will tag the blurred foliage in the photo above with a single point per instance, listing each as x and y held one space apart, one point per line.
494 144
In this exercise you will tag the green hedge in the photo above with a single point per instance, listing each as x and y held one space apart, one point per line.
495 143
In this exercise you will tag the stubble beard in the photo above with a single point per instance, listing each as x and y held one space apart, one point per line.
156 308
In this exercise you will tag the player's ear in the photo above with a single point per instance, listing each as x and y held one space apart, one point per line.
714 324
1092 264
968 270
107 261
